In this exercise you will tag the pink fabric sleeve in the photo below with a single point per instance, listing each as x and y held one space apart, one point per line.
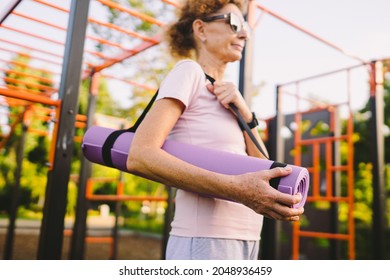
182 82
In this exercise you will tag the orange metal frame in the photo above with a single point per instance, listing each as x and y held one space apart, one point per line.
119 196
330 168
32 96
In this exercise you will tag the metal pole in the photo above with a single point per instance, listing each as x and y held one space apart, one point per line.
115 229
377 158
77 247
270 245
8 11
168 219
52 228
334 250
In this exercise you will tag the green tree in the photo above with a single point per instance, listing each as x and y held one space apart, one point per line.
21 77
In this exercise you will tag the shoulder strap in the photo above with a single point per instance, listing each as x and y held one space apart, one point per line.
109 142
242 122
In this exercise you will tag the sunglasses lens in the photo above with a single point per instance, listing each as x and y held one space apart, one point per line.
235 22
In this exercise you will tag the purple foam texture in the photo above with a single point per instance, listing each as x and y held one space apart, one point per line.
206 158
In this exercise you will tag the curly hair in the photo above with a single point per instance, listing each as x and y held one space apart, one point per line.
180 35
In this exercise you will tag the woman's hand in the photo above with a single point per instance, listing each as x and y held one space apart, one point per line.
227 93
258 195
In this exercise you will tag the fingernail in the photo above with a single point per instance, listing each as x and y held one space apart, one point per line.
288 168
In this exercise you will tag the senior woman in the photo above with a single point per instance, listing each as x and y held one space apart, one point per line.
208 35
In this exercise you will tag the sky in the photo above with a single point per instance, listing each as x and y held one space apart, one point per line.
282 53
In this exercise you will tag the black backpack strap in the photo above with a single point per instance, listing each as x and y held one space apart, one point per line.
242 122
141 118
109 142
274 182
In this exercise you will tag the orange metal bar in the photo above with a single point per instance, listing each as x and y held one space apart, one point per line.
30 97
81 118
173 3
25 90
53 149
91 239
28 66
80 124
100 40
106 42
324 235
89 187
101 55
108 197
32 56
43 79
142 47
130 82
11 102
119 196
49 4
351 222
39 86
329 199
340 168
131 12
309 33
123 30
30 48
328 168
316 169
99 239
32 35
322 140
121 188
115 6
38 20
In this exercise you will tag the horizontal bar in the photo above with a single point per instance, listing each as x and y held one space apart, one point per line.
322 140
108 197
339 236
130 82
131 12
30 97
327 199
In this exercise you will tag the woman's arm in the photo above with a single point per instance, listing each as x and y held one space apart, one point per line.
251 148
252 189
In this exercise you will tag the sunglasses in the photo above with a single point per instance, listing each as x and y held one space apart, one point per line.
233 20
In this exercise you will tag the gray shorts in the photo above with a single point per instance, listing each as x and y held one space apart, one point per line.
203 248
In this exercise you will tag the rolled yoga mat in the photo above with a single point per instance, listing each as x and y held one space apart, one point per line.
209 159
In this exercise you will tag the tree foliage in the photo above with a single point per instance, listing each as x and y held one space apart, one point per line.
363 160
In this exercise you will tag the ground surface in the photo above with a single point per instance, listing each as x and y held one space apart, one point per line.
131 246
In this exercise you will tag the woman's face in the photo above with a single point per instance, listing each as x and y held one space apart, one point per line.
225 34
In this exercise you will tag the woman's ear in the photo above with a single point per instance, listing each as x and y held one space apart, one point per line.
199 30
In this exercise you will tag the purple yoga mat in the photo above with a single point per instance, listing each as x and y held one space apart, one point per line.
210 159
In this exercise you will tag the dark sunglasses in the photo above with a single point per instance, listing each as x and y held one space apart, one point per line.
233 20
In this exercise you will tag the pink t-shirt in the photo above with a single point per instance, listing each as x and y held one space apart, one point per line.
205 122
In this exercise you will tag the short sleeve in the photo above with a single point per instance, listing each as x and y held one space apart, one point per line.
182 82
